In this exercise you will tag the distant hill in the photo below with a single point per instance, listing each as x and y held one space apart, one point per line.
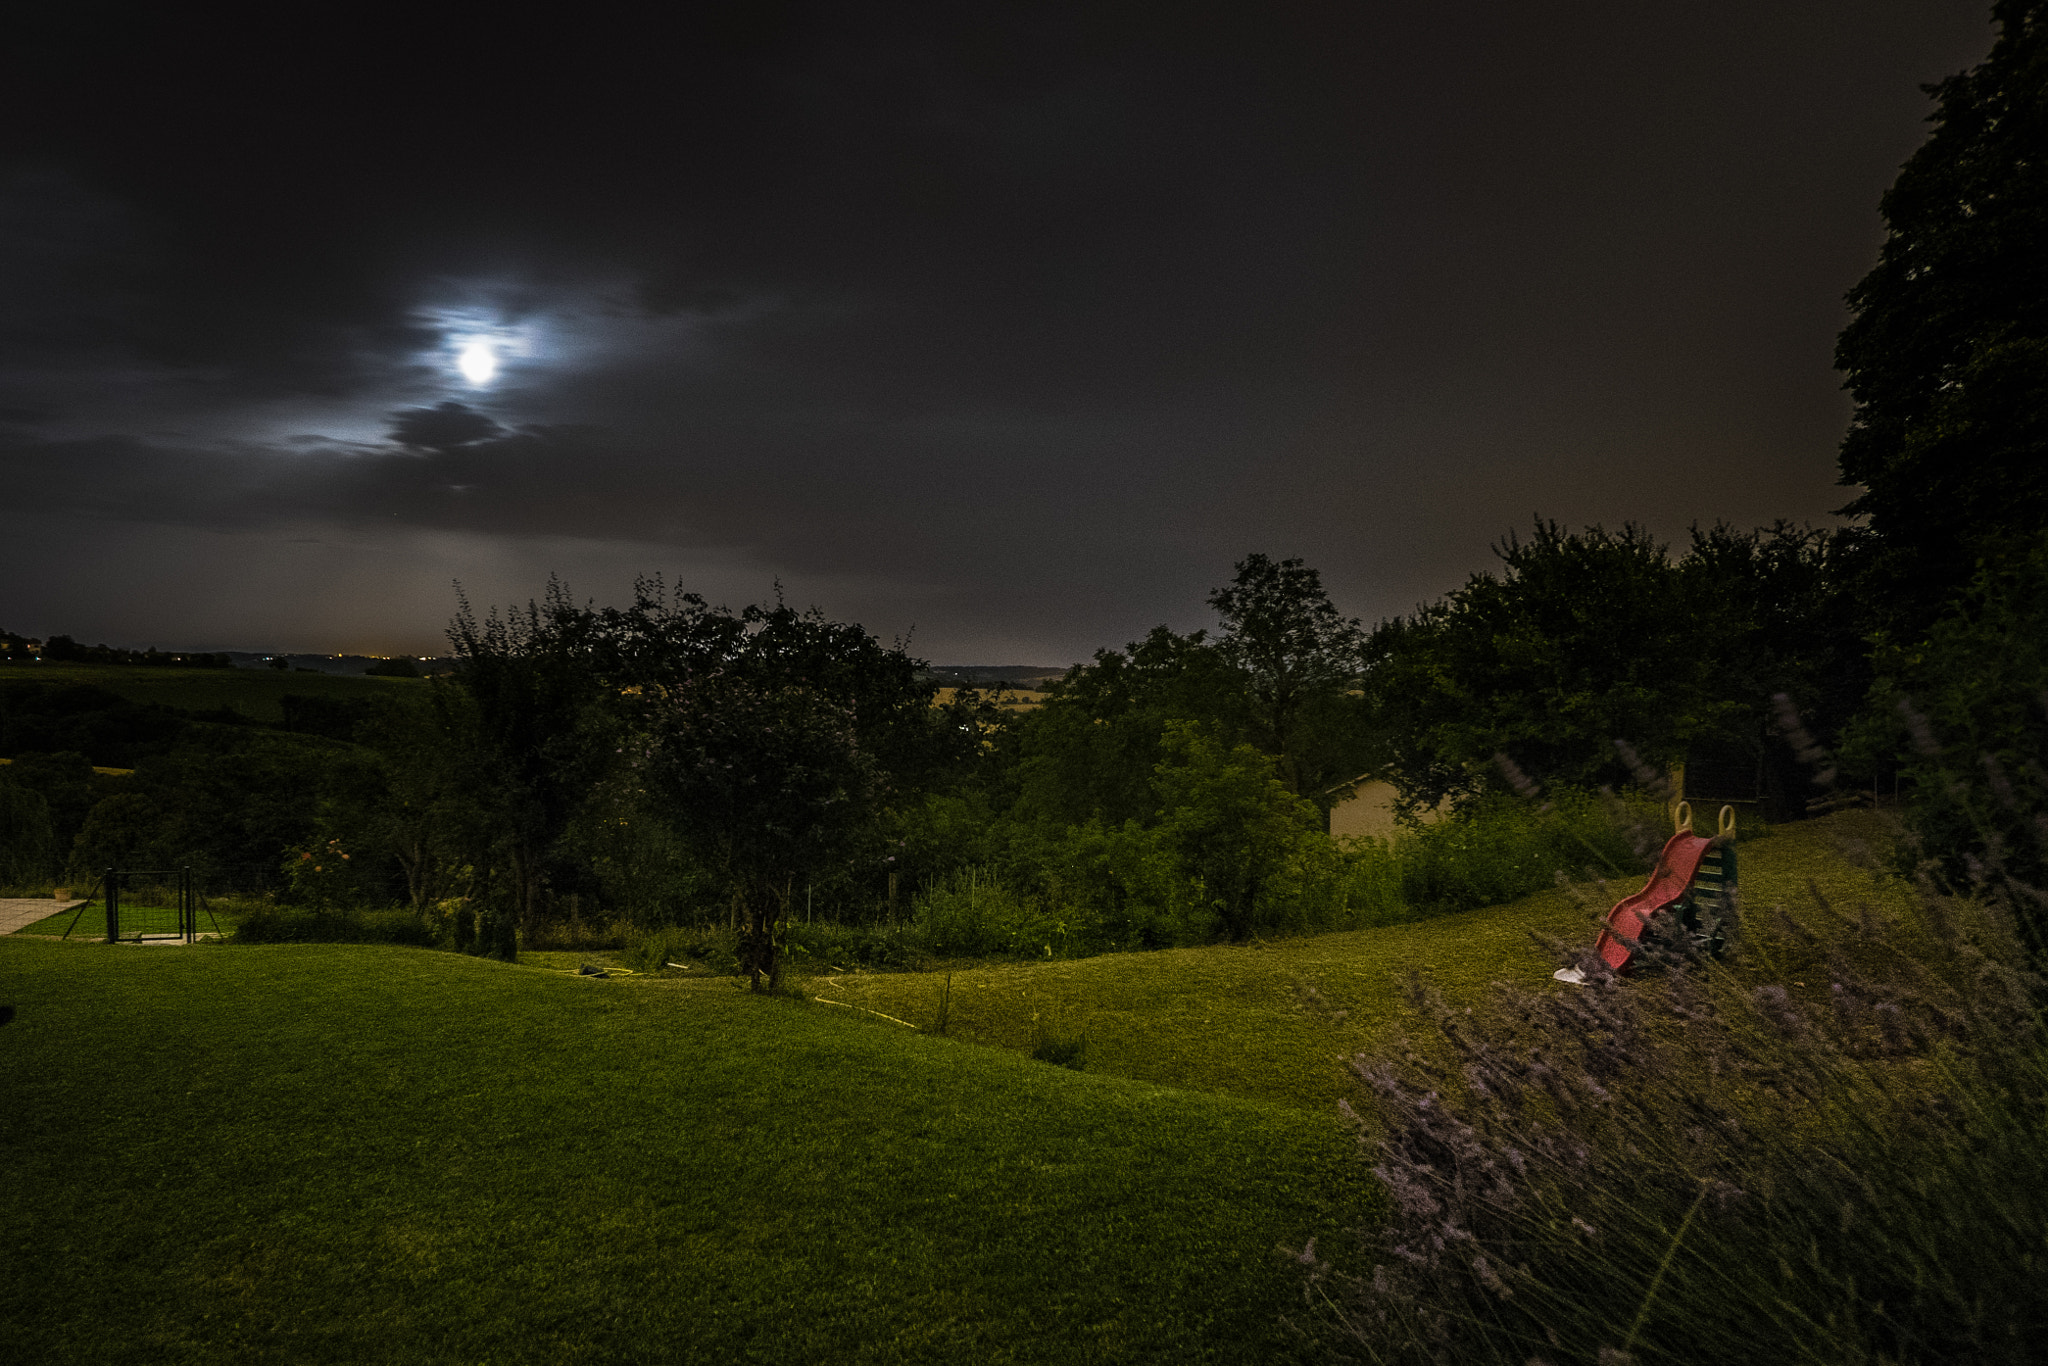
330 664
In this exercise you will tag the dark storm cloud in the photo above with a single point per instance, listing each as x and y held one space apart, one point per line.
445 427
1024 320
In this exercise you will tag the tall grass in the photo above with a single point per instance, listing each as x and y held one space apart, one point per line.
1497 851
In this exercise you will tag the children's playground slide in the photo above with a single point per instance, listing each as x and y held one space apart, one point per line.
1695 873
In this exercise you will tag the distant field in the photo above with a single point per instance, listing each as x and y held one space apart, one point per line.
252 692
1009 699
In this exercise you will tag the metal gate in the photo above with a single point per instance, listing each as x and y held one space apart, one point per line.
148 904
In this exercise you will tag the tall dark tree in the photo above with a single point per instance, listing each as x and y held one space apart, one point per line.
535 681
1947 356
1300 659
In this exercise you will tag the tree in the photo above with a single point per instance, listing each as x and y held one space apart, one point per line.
1947 355
1777 608
537 680
1299 659
1582 639
773 738
28 840
1228 824
1091 750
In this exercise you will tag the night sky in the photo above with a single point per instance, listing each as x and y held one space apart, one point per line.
1009 325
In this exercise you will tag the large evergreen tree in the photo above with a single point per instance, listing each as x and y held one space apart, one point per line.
1947 356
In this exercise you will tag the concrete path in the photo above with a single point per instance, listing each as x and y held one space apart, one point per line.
15 912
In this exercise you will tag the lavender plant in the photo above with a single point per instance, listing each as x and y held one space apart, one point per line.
1829 1149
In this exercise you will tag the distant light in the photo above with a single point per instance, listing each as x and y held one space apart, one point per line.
478 362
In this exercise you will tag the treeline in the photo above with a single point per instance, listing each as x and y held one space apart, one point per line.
15 649
670 764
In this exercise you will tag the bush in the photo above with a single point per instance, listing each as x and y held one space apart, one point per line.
651 950
974 914
1495 850
264 924
1965 715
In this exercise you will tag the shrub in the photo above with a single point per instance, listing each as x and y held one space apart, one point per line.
1495 850
1966 716
974 914
264 924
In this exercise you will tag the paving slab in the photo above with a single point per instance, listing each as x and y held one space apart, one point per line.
19 911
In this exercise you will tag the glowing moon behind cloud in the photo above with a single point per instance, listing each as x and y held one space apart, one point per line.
478 362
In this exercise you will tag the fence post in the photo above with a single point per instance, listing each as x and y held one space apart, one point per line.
188 904
113 881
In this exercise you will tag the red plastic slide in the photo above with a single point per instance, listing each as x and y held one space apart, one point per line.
1676 867
1670 882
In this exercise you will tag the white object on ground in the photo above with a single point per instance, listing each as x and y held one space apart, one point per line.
1572 975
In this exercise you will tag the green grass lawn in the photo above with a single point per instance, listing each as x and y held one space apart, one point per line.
356 1153
253 692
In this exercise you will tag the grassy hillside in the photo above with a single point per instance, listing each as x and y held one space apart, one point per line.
1277 1021
374 1154
253 692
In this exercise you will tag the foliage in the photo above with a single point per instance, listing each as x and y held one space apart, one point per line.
28 840
1500 848
530 680
434 816
229 803
49 718
1298 660
1588 638
976 913
324 877
1229 828
269 924
1282 676
1581 639
1974 696
770 739
1089 752
1948 349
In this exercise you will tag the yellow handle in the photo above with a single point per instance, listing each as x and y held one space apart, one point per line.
1681 819
1727 822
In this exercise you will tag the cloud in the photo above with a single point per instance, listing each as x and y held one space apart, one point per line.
445 427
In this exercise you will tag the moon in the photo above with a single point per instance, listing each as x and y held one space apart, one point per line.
478 362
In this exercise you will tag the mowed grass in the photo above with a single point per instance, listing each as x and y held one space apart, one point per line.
370 1154
328 1153
252 692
